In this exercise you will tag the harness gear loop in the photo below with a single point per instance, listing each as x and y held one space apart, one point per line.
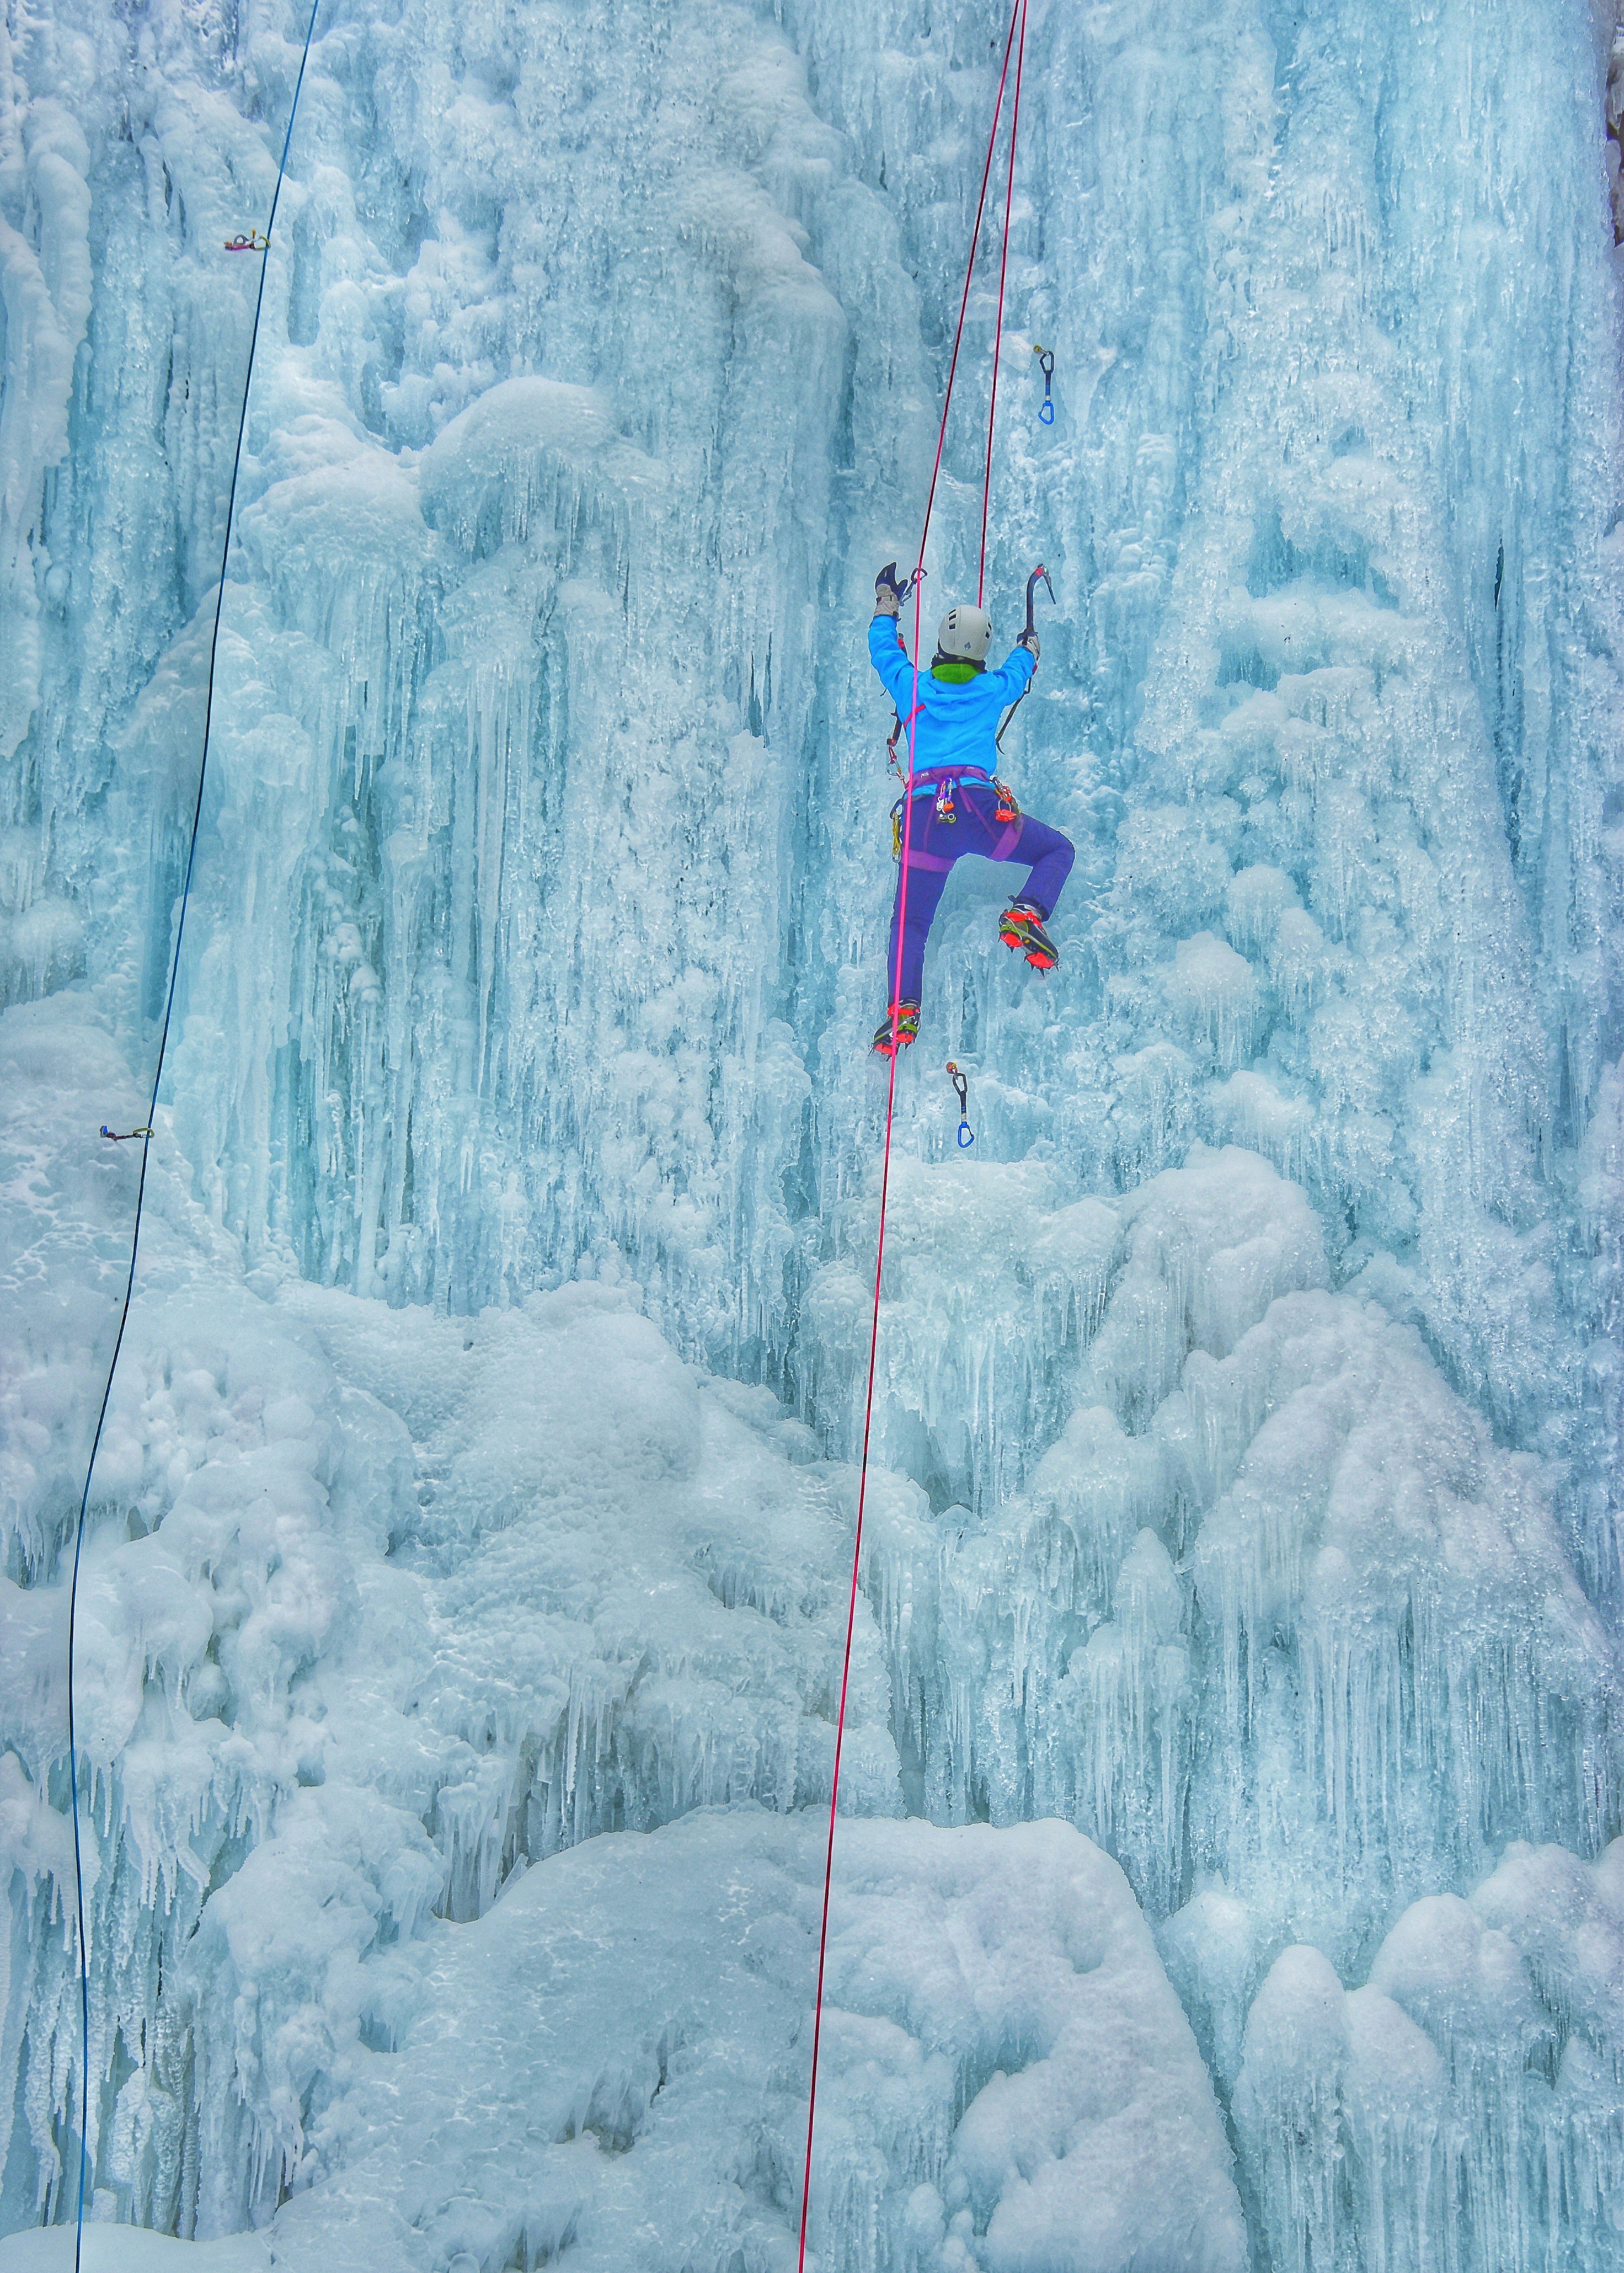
945 801
123 1137
967 1135
1046 364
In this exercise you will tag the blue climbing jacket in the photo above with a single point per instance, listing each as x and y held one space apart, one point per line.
957 724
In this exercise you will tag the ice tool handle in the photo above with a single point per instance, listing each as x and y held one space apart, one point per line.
967 1135
1039 574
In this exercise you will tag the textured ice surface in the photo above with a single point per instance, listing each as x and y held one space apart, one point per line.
1003 2060
459 1627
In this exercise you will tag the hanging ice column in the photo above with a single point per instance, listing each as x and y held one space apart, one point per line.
513 711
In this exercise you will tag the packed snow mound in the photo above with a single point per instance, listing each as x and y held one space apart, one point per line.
612 2062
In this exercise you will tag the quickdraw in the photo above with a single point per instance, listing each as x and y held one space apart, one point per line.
1006 808
123 1137
967 1135
252 243
1046 364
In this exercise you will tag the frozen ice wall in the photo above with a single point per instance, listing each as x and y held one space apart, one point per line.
1236 1700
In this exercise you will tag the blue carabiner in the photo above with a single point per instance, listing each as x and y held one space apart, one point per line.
967 1135
1046 415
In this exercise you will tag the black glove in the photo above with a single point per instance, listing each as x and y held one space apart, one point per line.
889 594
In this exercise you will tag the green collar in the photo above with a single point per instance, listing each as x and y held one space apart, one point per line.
955 672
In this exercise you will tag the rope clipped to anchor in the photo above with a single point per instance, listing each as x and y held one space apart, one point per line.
1015 44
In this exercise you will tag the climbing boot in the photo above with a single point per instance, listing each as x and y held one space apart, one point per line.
907 1031
1020 925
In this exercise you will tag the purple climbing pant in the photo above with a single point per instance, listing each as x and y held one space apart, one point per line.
934 847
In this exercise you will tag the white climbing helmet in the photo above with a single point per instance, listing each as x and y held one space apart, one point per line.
964 633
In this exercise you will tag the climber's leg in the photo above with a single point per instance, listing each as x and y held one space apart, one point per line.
927 875
1049 856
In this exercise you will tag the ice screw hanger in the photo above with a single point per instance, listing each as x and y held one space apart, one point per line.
967 1135
252 243
1046 409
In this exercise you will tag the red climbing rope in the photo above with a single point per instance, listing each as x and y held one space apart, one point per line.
1015 40
997 335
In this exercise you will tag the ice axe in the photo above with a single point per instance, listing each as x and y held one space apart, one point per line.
1039 573
1032 587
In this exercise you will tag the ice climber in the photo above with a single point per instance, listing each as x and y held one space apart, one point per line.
957 806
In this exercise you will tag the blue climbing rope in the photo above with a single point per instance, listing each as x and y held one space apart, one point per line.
261 244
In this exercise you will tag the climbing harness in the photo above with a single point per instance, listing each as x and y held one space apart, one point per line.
1015 42
967 1135
1032 585
253 242
1046 364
